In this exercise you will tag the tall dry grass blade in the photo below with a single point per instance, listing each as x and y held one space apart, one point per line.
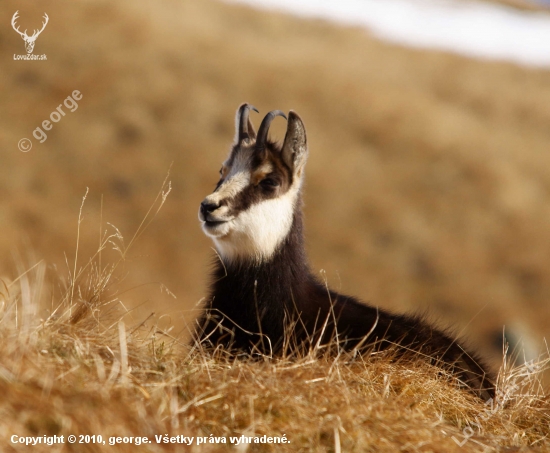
73 280
337 445
124 368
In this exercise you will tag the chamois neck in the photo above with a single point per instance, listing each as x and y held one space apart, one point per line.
257 296
288 258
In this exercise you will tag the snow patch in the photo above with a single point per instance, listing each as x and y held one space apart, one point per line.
474 29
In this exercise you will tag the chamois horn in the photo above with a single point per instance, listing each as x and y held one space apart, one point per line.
245 129
264 128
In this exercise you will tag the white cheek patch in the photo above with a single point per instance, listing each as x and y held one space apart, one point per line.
257 232
231 187
235 182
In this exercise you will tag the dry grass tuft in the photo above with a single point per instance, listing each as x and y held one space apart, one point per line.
86 369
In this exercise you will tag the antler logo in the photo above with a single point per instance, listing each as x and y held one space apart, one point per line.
29 40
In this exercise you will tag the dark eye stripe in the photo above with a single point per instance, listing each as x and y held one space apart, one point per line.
270 182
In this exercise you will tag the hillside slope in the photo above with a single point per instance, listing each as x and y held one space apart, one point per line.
428 186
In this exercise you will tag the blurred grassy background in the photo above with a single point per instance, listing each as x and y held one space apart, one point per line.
428 184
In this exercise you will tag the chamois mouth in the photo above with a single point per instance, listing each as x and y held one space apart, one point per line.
216 228
214 223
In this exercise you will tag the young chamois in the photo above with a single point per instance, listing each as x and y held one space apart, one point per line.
262 281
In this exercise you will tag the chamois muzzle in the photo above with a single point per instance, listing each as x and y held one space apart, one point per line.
207 208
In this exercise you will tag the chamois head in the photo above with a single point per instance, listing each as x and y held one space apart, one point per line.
252 207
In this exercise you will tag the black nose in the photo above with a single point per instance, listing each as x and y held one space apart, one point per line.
207 208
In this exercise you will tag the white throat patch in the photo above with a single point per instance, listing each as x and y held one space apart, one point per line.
256 233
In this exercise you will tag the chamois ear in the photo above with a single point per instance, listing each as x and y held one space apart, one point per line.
295 151
244 130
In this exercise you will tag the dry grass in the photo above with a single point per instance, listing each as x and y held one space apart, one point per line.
87 368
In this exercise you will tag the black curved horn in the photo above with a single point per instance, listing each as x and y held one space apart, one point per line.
264 127
243 130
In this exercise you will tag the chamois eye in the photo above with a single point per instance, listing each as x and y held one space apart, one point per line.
221 171
269 182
